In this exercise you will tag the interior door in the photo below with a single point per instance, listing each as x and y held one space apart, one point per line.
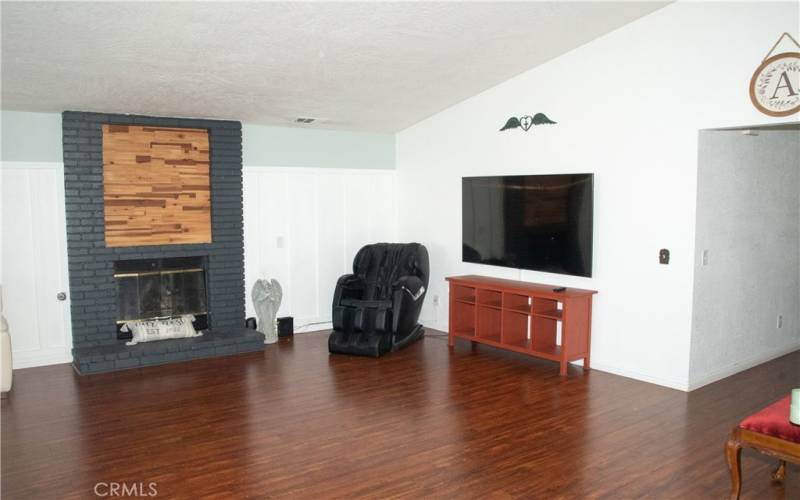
34 263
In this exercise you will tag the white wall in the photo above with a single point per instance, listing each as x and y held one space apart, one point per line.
323 216
748 211
303 227
629 106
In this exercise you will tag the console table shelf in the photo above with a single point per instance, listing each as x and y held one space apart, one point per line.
522 317
555 314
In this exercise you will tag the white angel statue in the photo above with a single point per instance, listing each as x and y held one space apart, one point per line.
267 297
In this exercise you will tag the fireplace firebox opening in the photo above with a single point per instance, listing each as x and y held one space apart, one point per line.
161 288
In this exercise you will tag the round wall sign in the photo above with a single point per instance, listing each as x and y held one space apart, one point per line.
775 86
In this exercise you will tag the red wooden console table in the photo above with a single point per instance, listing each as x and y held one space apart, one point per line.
522 317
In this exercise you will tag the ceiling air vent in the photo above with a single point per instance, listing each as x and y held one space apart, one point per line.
304 120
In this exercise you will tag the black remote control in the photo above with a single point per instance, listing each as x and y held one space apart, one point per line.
560 289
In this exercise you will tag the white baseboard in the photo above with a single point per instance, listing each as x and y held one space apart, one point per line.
46 357
679 385
433 325
603 367
315 327
739 366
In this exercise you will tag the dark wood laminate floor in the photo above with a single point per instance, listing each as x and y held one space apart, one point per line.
423 422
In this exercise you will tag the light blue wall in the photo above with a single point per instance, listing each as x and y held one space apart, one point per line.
297 147
28 136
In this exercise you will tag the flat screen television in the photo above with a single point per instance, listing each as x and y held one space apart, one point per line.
536 222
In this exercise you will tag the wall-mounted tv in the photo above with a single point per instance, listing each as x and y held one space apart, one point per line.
536 222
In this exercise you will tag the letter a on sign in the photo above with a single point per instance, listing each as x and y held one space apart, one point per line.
784 83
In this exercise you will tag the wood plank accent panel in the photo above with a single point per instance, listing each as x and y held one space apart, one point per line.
156 187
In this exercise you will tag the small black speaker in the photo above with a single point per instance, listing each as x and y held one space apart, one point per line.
285 326
250 323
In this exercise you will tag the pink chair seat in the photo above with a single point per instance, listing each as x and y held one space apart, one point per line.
774 421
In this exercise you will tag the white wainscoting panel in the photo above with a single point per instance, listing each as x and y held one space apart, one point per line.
303 226
34 263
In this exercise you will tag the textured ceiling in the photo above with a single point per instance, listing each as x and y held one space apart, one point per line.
370 66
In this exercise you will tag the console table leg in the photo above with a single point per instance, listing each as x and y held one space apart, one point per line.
563 368
451 340
586 363
780 472
733 452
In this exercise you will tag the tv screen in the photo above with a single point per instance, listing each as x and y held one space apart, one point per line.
537 222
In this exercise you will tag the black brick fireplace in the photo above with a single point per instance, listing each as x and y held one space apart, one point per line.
94 290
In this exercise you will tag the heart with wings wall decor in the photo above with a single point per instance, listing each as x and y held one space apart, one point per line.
526 122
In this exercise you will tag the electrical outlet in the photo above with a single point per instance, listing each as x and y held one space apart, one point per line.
279 242
779 322
705 257
436 300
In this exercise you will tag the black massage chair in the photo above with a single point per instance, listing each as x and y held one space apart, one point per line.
375 309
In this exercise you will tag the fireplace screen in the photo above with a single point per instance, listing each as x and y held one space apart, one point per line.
157 288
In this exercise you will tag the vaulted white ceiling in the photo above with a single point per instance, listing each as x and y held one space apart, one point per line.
372 66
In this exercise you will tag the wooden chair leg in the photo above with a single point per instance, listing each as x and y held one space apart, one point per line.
733 452
780 471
